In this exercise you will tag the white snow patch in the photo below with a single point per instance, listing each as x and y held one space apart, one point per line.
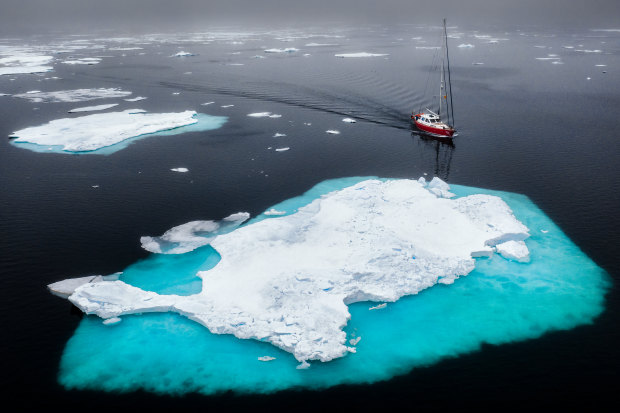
288 281
91 132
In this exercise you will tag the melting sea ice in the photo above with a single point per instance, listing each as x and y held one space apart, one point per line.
500 301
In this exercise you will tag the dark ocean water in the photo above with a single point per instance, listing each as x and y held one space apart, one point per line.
525 125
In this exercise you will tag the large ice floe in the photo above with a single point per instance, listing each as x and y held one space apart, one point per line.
92 133
75 95
20 63
301 280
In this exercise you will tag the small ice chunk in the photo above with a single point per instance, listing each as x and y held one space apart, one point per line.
465 45
95 186
282 149
93 108
514 250
349 120
439 188
179 169
275 116
378 307
227 106
279 135
333 132
112 321
544 231
266 358
259 114
274 212
207 103
354 341
176 93
303 366
136 99
286 50
83 61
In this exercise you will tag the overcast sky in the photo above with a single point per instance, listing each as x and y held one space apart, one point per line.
18 16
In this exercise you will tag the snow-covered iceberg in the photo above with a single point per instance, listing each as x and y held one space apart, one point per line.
289 280
499 301
103 130
76 95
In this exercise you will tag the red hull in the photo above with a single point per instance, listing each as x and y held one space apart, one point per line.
441 132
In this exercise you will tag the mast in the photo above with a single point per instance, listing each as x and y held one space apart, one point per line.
451 112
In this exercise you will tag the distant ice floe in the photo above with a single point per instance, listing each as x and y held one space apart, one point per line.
289 280
227 106
279 135
23 63
465 46
136 99
282 149
264 115
182 170
93 108
287 50
361 54
192 235
92 132
83 61
320 44
124 48
332 132
207 103
266 358
378 307
183 54
349 120
427 47
589 50
76 95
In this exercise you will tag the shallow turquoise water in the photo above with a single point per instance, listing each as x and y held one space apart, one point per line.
501 301
205 123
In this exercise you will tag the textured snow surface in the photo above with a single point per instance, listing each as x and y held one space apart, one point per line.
91 132
20 63
192 235
288 280
76 95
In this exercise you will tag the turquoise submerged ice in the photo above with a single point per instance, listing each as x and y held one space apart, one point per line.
500 301
106 133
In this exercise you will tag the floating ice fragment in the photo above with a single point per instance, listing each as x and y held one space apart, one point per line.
544 231
93 108
176 93
303 365
179 169
320 44
282 149
588 50
266 358
465 46
514 250
67 287
93 186
275 116
349 120
83 61
354 341
360 54
76 95
279 135
183 54
23 63
332 131
259 114
111 321
227 106
378 307
189 236
287 50
207 103
136 99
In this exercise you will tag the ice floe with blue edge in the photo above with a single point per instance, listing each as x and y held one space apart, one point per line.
303 282
106 133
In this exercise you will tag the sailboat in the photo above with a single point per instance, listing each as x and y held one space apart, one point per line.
429 122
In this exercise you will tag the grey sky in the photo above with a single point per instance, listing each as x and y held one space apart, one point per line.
34 16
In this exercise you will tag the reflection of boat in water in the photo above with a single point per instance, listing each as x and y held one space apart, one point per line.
428 121
443 148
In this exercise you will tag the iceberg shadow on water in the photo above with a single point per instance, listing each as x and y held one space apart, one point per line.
500 301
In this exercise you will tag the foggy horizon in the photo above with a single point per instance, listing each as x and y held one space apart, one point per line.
74 16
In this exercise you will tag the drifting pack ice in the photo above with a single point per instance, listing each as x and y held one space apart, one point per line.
288 279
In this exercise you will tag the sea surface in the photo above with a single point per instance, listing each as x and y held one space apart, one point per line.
537 115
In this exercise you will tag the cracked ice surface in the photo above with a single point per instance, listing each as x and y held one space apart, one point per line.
288 280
